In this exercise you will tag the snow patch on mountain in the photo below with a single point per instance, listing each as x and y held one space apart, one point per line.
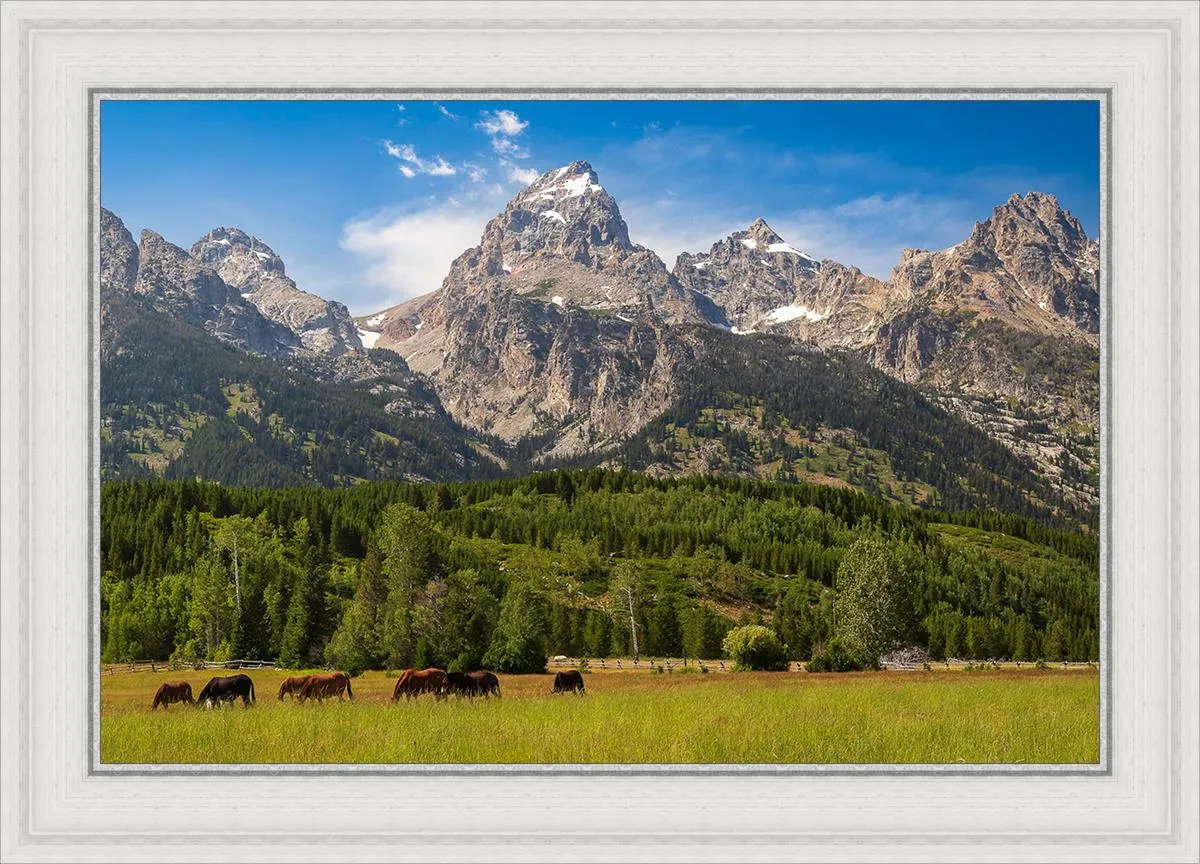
790 313
580 184
368 337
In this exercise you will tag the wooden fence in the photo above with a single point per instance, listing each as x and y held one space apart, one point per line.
180 665
668 664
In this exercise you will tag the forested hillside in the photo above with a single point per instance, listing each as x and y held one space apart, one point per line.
766 407
504 573
177 402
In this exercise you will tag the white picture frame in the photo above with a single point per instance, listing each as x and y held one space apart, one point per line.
1140 803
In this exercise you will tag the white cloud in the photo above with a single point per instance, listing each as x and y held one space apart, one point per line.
502 122
412 164
515 174
441 168
475 173
400 107
503 126
445 112
407 254
508 147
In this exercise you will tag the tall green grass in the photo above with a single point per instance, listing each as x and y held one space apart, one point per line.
940 717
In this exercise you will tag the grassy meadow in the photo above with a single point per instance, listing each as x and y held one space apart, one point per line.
947 715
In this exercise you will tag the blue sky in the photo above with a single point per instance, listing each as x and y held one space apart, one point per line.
368 202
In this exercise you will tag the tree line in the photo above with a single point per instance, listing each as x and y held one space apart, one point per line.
505 573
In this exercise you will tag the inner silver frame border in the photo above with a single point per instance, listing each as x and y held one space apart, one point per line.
1103 95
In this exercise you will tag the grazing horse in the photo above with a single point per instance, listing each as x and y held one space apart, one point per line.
472 683
292 685
565 682
413 683
227 689
461 684
486 683
172 691
331 684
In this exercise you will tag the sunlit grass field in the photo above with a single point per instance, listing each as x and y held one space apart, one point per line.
943 716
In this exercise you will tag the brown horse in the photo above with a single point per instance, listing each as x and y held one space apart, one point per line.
413 683
292 685
328 685
173 691
568 681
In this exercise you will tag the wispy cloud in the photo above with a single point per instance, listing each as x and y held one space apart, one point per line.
502 122
408 252
445 112
508 147
503 126
475 173
516 174
411 164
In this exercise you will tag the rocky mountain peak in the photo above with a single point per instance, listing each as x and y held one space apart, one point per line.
118 254
565 213
174 282
757 278
239 258
252 267
160 261
1036 217
761 233
562 241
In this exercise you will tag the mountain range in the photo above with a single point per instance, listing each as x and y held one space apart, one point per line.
968 379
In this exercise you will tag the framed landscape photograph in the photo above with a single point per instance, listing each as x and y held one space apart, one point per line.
760 505
738 453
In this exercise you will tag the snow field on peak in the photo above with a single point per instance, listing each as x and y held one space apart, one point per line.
790 313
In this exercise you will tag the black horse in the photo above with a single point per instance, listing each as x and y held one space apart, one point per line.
472 683
228 689
461 684
565 682
486 683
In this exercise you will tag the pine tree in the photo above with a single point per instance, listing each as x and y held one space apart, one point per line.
518 643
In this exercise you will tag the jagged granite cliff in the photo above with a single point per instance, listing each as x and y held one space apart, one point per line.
559 338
